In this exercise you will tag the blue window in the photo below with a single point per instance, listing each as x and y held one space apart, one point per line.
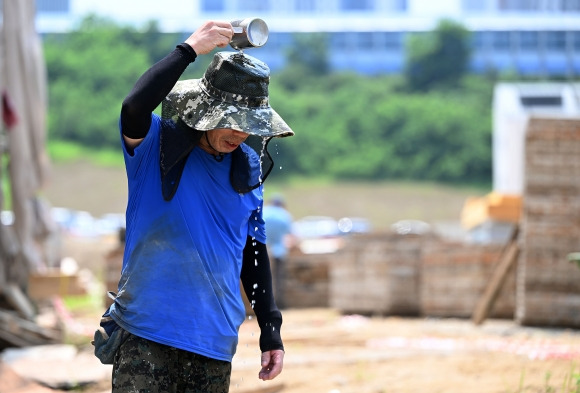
340 41
501 40
212 5
529 40
576 40
357 5
556 40
570 5
304 5
279 39
364 40
393 41
473 5
517 5
478 40
400 5
254 5
52 6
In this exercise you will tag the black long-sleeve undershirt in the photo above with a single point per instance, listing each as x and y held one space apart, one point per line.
150 90
257 282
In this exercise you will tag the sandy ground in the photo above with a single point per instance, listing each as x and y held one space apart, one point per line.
327 352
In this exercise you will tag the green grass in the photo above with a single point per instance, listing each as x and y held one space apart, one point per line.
65 152
83 303
570 383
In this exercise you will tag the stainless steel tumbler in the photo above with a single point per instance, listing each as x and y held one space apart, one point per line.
249 33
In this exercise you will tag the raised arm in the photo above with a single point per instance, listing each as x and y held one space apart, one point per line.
154 85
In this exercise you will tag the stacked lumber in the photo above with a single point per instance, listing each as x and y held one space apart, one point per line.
548 291
454 276
378 274
491 207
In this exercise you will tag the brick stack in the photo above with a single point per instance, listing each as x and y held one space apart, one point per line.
307 279
377 274
454 276
548 288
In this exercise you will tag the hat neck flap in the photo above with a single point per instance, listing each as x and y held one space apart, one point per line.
176 143
248 171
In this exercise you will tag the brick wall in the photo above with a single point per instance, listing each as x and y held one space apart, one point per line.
548 285
454 276
377 274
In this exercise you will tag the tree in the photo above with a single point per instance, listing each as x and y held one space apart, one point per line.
90 70
440 57
306 57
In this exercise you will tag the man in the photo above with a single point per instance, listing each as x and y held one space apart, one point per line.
279 236
194 221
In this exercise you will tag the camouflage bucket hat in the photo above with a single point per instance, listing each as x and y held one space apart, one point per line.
233 93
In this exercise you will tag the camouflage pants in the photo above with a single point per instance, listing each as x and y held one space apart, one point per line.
143 366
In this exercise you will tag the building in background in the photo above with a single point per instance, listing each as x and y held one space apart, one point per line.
526 37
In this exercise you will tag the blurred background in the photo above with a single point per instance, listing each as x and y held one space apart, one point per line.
435 170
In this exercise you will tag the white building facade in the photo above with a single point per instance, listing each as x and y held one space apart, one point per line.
526 37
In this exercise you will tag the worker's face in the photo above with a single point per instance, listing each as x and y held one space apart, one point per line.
222 140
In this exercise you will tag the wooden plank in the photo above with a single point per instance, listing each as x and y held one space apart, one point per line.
486 301
22 332
19 301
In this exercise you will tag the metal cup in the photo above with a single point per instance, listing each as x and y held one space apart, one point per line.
249 33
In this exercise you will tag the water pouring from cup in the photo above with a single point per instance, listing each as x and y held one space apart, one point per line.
249 33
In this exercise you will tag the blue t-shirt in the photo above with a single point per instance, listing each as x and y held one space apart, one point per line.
180 283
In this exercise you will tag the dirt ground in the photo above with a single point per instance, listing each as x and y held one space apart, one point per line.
327 352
